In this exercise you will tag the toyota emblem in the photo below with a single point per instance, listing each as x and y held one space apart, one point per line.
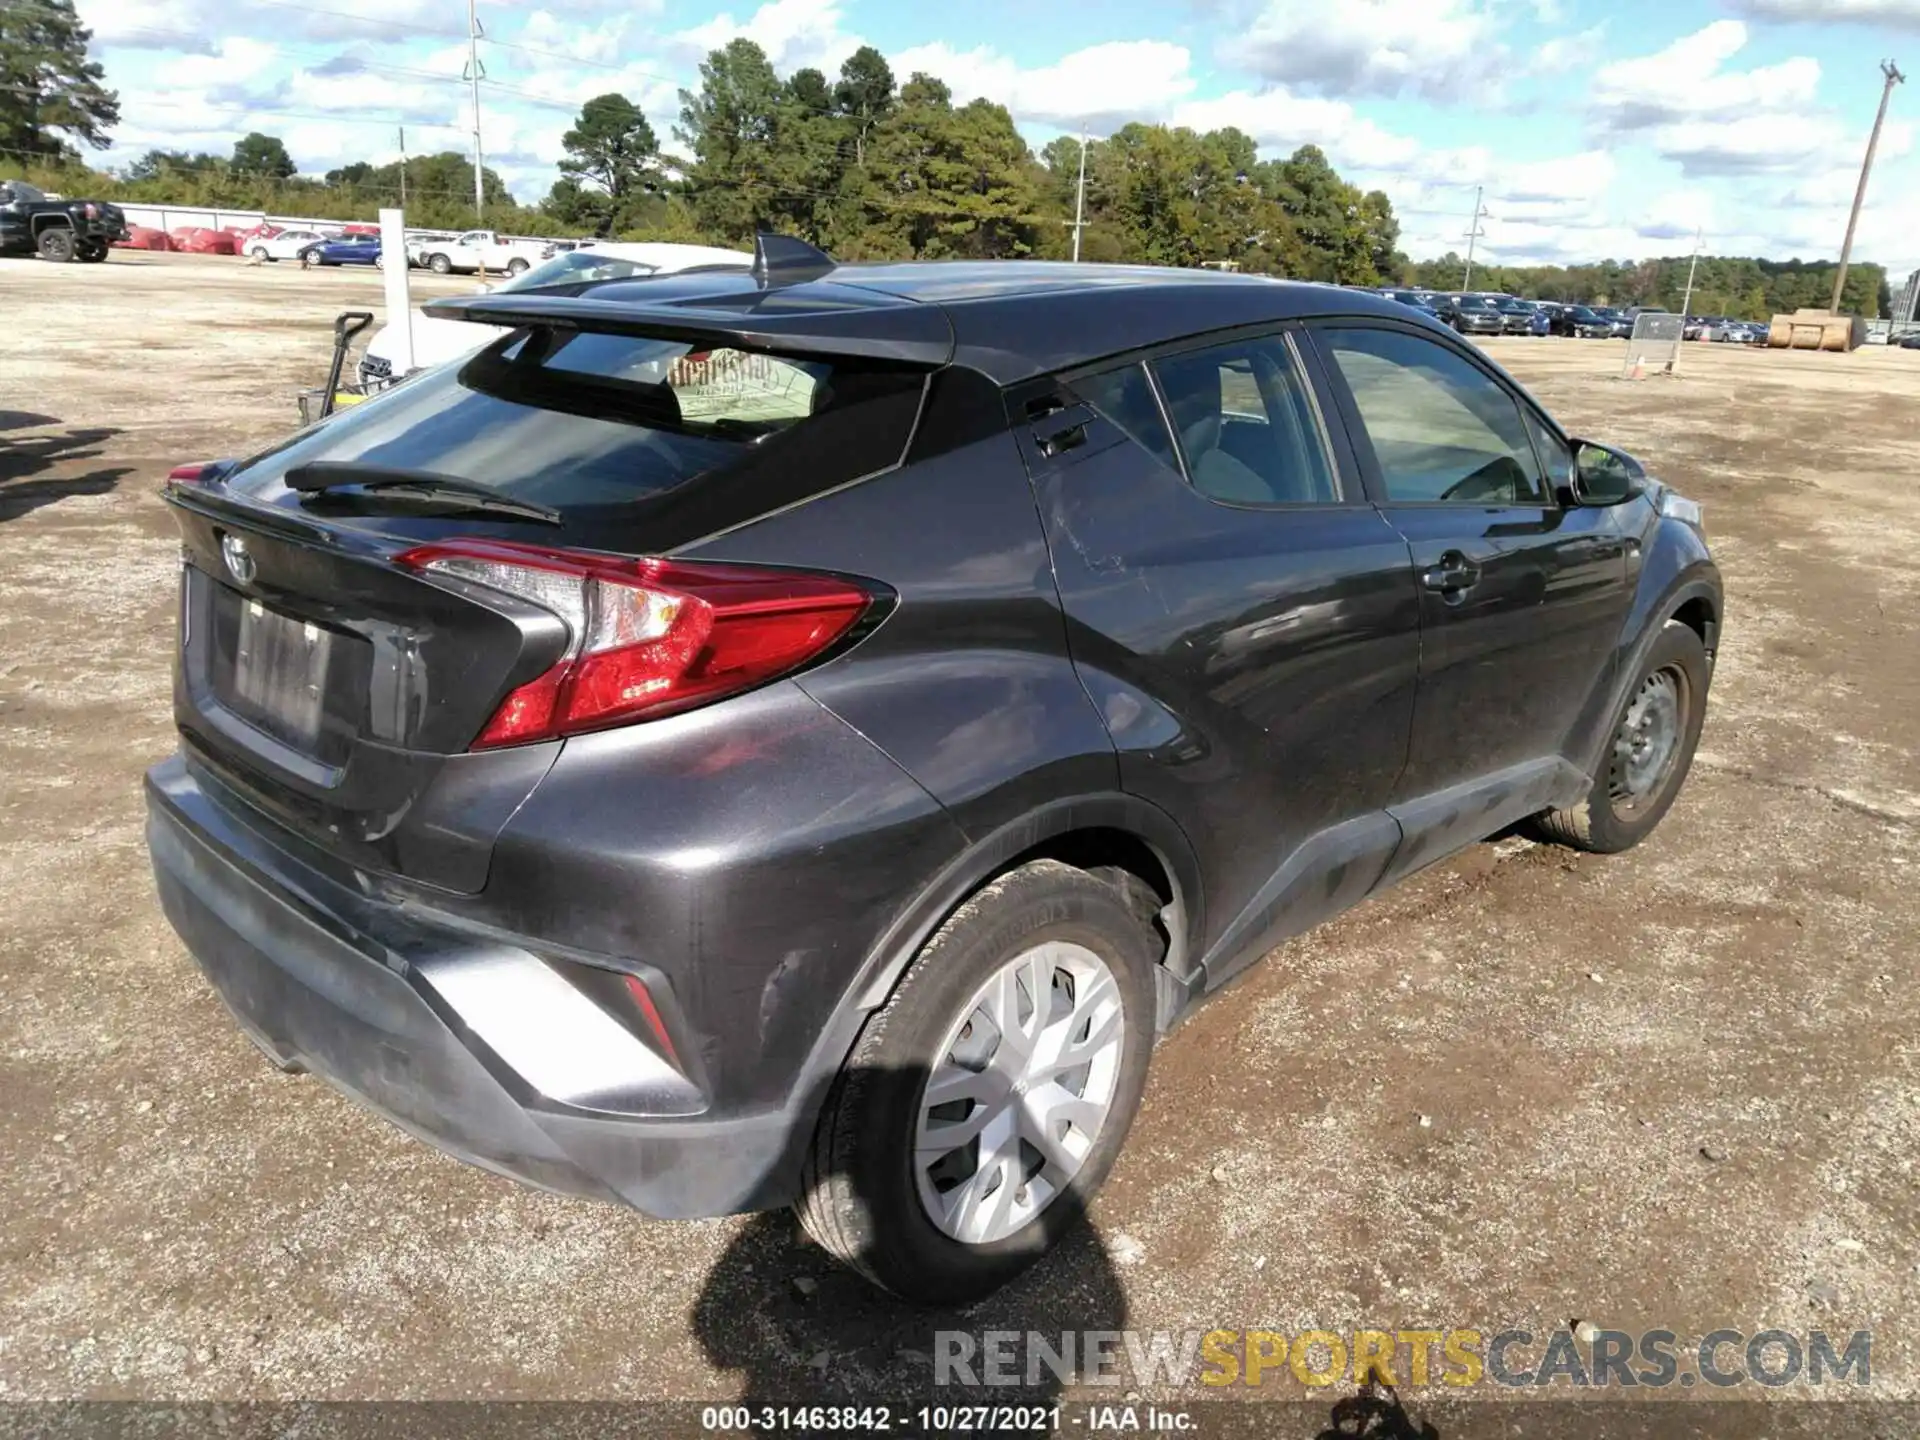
239 560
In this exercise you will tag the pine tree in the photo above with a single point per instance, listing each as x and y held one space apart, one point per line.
50 92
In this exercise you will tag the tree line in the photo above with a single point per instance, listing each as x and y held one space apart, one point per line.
862 164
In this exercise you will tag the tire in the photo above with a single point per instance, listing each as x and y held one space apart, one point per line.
57 244
93 252
259 252
862 1191
1614 816
440 264
516 266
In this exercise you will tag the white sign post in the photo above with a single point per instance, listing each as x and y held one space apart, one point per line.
393 265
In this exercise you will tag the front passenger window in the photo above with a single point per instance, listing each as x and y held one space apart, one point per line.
1441 428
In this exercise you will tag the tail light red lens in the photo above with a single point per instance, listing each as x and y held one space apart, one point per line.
648 637
188 474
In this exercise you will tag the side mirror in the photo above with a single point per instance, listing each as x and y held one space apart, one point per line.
1603 475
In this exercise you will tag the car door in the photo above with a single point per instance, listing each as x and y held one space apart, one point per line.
1243 617
1522 596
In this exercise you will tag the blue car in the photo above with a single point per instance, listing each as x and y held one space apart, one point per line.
347 250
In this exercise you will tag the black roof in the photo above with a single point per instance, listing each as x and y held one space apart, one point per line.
1009 319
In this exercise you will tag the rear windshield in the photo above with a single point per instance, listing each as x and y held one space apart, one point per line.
580 421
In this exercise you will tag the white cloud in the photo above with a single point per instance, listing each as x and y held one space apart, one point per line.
1688 81
1447 50
1568 52
1281 122
1891 14
188 24
231 61
1101 87
794 33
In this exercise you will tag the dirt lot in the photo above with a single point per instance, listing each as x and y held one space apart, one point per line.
1674 1089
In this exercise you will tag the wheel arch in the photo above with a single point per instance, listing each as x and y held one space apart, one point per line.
1089 832
1691 597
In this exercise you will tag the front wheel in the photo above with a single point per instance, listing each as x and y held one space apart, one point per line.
92 252
1647 759
985 1102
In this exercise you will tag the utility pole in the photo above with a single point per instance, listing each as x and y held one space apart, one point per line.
403 167
1686 300
1474 233
1080 197
476 72
1893 77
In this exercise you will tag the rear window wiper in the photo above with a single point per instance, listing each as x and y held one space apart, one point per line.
332 477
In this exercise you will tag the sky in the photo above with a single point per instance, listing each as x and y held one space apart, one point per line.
1597 128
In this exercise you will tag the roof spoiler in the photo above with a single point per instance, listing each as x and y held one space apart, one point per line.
781 260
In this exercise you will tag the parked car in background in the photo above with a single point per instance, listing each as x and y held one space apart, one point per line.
685 857
344 250
1421 300
1472 315
1584 322
1909 341
32 222
1516 316
284 244
1620 322
436 340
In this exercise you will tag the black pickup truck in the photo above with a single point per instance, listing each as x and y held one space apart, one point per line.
56 229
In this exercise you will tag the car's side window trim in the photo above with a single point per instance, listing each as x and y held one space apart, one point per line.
1346 476
1364 455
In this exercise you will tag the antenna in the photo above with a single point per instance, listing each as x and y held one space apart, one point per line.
780 260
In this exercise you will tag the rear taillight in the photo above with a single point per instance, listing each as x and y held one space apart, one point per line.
648 637
188 474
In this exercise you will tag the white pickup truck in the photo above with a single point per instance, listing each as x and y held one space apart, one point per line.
480 250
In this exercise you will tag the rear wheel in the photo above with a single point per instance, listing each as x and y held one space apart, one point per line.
1648 757
259 252
516 266
986 1101
56 244
440 264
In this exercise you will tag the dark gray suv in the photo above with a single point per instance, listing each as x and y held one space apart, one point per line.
799 735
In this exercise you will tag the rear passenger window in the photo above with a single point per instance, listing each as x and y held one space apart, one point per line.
1441 428
1124 397
1245 424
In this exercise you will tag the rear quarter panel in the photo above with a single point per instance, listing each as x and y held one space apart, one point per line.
967 684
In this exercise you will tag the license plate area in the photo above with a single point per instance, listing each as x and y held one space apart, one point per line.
296 681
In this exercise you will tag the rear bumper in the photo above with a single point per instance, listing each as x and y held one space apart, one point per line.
426 1024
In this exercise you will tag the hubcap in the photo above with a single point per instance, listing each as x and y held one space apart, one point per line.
1022 1086
1648 740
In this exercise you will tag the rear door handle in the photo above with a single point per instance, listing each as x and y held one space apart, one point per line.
1454 573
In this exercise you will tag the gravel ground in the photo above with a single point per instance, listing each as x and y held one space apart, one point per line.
1672 1089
